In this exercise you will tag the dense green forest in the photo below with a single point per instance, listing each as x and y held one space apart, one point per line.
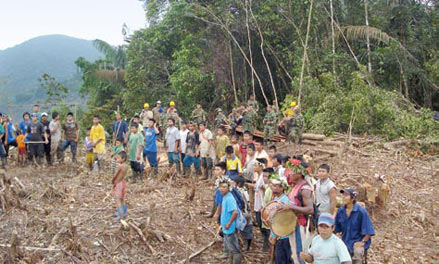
369 64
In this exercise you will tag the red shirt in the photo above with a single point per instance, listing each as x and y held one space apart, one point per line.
243 151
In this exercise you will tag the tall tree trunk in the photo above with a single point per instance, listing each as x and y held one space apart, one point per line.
332 37
227 30
249 44
305 52
232 73
265 59
366 14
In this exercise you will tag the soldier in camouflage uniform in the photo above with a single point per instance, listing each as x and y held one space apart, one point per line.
172 112
220 119
199 115
164 122
249 119
270 121
297 125
253 103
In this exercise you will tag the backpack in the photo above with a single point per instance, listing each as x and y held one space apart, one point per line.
238 198
241 222
314 217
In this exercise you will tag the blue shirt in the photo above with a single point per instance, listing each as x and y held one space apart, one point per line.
282 199
354 227
23 127
228 207
150 140
11 136
123 129
329 251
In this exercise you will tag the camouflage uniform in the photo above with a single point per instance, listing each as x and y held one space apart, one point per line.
163 123
177 119
254 103
270 121
156 114
198 116
219 120
249 119
297 125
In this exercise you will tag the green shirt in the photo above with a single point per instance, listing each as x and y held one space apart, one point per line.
117 149
135 141
2 129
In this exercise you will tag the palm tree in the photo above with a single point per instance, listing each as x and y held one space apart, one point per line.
113 67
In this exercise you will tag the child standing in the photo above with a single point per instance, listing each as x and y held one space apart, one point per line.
88 145
119 185
21 147
116 150
135 147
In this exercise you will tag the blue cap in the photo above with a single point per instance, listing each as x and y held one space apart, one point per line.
352 192
34 115
327 219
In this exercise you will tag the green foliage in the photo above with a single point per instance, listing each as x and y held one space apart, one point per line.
55 91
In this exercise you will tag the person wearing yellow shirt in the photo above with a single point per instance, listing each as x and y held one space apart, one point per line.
97 135
234 167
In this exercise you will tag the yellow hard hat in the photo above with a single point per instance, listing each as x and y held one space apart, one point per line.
146 105
171 103
293 104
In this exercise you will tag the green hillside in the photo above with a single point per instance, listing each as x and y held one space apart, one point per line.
22 65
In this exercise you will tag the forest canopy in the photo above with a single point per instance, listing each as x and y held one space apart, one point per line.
371 64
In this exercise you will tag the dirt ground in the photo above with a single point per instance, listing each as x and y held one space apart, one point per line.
63 215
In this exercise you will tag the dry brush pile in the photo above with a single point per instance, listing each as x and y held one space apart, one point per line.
64 215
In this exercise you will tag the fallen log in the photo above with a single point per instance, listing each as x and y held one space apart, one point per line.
143 238
32 248
187 260
332 153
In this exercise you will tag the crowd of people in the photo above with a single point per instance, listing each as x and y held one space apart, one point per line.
249 174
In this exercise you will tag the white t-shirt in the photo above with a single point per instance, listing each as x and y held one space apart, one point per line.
205 146
280 171
183 136
322 195
259 193
261 155
57 135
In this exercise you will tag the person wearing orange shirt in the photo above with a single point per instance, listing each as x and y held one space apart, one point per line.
21 147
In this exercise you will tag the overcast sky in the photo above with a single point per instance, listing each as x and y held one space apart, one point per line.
21 20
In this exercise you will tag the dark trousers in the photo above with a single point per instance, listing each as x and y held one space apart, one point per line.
13 143
36 150
47 151
282 252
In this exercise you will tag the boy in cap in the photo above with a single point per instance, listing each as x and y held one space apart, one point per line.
355 226
36 132
326 248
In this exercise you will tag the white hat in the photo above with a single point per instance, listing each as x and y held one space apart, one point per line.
44 114
159 102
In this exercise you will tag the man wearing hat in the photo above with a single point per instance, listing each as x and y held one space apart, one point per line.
220 119
36 131
198 115
157 111
355 226
327 248
146 115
